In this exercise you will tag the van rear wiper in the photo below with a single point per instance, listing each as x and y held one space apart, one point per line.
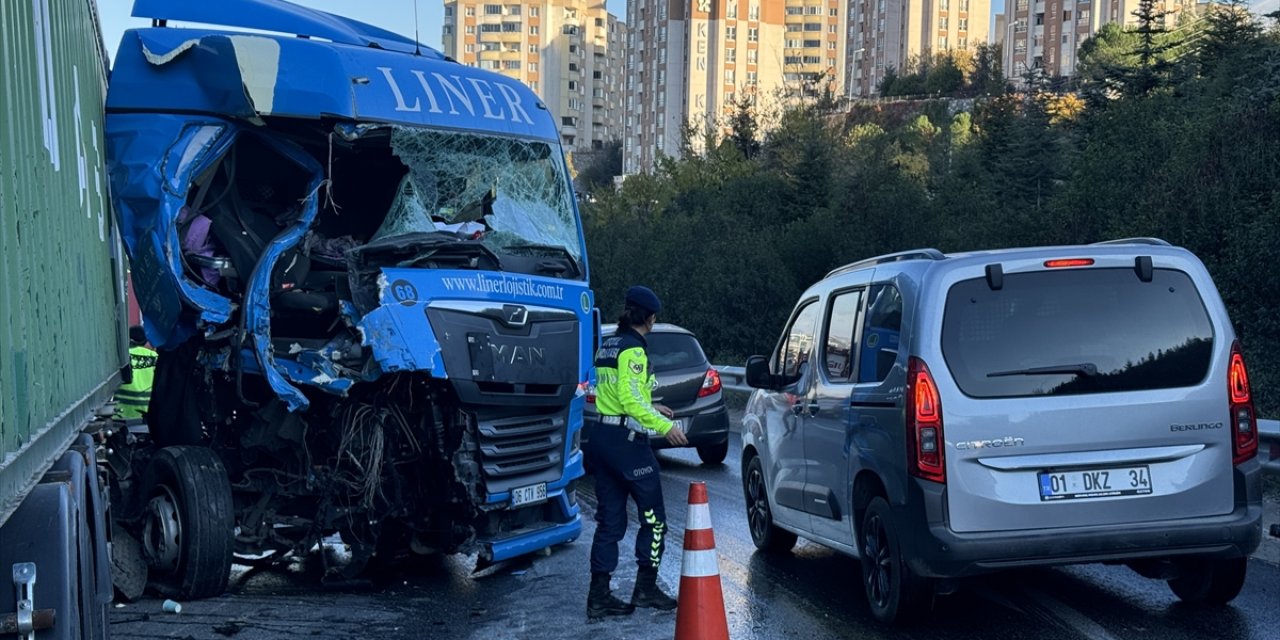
1079 369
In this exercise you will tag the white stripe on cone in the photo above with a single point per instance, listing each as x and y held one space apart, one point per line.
700 564
699 517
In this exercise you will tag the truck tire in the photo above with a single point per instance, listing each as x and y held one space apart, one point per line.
128 564
189 523
1211 581
893 590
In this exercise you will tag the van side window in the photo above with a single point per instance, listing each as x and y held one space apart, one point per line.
799 344
841 344
879 346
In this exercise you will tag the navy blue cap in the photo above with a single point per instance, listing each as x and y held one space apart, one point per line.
645 298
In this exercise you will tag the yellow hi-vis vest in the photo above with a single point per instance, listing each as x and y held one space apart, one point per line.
132 399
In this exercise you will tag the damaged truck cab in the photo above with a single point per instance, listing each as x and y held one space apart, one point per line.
363 267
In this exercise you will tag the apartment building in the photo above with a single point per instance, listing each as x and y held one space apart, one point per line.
1046 34
571 52
689 61
890 34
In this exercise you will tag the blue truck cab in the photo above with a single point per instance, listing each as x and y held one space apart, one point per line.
363 267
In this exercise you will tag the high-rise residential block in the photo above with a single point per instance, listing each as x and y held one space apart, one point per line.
689 61
1046 35
568 51
891 34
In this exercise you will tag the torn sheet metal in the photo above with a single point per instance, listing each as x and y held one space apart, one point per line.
153 159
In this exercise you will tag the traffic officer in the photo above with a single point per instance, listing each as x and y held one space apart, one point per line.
623 463
133 398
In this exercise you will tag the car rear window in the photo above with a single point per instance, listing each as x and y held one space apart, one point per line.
1076 331
671 351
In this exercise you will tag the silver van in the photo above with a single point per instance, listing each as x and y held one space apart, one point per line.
945 415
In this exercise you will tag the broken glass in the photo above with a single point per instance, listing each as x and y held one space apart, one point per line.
509 194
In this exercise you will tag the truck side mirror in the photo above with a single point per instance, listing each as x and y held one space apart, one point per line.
758 374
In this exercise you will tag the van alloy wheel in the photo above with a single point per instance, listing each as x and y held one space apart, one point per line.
879 562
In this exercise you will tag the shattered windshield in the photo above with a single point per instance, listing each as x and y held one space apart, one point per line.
511 195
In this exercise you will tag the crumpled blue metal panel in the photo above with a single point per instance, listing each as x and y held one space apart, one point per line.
248 76
152 159
276 15
257 303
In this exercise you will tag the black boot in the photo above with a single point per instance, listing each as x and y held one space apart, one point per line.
601 602
647 593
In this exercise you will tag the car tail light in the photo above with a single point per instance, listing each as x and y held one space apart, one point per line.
1244 423
924 424
710 383
1069 262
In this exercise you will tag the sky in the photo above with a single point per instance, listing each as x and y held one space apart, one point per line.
393 15
397 15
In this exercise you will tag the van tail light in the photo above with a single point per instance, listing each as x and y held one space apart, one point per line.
924 424
1244 423
710 383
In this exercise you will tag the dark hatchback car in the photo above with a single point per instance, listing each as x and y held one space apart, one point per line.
688 385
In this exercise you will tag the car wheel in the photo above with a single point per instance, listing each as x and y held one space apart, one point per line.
188 524
1214 581
713 453
766 536
893 591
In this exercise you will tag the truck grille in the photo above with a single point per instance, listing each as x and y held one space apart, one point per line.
521 446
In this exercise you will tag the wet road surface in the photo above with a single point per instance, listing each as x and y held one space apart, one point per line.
812 594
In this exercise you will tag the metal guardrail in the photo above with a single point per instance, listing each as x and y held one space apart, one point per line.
733 378
1269 445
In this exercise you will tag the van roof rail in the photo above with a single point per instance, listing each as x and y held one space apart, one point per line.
1155 241
914 254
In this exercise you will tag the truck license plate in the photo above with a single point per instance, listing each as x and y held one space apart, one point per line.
1095 483
531 494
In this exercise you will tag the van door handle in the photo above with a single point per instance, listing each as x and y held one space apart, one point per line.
806 407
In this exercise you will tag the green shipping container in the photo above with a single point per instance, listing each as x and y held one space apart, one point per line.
62 338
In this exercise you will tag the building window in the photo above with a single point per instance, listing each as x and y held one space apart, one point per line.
1066 16
533 48
1084 15
732 11
730 33
511 27
1039 19
511 65
533 67
513 9
729 76
755 12
942 43
448 12
731 55
533 11
964 24
471 28
753 56
752 77
471 11
448 29
533 84
493 9
964 42
533 31
942 22
490 28
573 85
813 26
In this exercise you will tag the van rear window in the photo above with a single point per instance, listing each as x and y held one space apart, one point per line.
1076 331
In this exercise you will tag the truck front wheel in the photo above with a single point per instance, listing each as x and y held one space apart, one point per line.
188 523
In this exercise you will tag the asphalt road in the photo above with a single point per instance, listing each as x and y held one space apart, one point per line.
811 594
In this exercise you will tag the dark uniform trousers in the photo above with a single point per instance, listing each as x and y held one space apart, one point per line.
624 466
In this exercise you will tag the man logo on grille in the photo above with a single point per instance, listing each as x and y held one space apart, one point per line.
515 314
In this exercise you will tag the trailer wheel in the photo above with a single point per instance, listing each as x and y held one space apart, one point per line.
188 523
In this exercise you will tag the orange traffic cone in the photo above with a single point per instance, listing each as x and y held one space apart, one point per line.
700 613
